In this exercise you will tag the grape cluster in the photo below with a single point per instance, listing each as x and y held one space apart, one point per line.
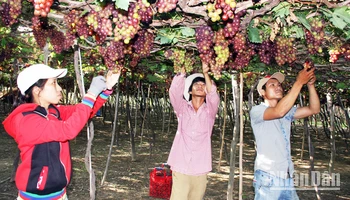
266 52
100 23
345 50
284 50
44 33
145 12
92 56
243 58
189 62
112 54
166 5
76 24
127 25
334 55
144 43
315 36
204 39
56 38
222 9
222 53
142 47
178 59
10 11
239 42
41 7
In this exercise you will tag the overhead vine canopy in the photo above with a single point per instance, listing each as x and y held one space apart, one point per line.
164 35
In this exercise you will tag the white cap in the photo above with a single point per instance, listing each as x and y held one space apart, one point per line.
33 73
278 75
188 83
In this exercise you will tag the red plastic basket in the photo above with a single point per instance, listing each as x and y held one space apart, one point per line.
160 182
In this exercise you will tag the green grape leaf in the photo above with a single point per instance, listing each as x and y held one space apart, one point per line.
164 39
304 22
3 42
299 32
337 22
187 31
347 33
122 4
341 86
175 40
282 10
254 35
342 13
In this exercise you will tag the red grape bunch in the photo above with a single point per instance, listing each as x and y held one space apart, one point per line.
142 46
100 24
243 57
315 36
56 39
11 9
39 33
204 40
127 25
77 24
345 49
284 50
239 42
144 43
145 11
41 7
166 5
266 52
113 54
222 9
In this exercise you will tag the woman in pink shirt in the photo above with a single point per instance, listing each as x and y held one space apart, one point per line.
195 101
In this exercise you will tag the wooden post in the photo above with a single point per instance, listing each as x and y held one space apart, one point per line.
234 141
330 109
241 136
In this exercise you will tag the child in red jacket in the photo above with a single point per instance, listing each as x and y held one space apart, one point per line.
43 129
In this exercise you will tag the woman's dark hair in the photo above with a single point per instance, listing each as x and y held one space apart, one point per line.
28 97
195 80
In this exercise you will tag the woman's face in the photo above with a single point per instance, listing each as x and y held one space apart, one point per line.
50 93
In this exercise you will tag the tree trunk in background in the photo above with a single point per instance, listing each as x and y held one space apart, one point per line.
223 130
131 132
236 128
330 109
115 122
88 166
144 112
304 132
347 132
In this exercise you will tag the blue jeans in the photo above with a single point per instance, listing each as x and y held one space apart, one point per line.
270 187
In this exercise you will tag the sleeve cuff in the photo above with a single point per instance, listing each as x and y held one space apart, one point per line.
105 94
89 100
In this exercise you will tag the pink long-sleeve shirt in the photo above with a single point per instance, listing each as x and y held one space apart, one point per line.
191 150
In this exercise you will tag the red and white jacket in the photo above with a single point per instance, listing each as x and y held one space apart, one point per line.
43 141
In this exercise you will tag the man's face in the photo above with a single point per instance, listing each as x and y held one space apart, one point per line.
198 89
273 89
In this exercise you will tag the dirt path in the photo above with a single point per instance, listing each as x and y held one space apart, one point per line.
130 180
